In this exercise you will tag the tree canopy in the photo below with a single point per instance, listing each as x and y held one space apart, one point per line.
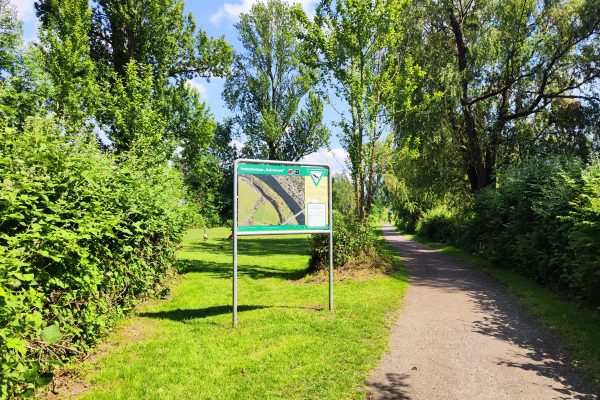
496 64
273 84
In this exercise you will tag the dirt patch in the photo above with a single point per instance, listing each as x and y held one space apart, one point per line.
361 268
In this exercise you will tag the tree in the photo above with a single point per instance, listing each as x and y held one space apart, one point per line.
212 180
568 127
153 33
137 119
497 63
66 54
353 39
141 54
25 89
272 87
10 37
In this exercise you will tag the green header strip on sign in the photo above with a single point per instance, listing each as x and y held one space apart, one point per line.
276 169
263 228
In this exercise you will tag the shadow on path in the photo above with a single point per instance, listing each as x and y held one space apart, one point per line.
393 389
502 318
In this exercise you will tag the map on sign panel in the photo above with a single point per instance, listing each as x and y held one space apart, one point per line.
274 197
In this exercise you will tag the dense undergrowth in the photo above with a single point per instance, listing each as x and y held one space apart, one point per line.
354 245
83 234
543 221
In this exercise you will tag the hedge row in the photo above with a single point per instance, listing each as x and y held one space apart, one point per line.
542 221
83 234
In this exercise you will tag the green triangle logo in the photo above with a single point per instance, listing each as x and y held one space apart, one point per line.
316 176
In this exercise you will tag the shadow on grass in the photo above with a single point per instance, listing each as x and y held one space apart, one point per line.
199 313
256 246
182 315
225 270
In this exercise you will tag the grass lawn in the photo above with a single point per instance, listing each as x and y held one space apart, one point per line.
578 328
287 345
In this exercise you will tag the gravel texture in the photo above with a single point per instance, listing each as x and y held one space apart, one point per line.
461 336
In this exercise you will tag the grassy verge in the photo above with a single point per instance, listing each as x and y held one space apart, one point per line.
577 327
287 345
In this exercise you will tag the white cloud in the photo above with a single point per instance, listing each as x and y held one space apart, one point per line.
232 11
25 9
336 158
200 88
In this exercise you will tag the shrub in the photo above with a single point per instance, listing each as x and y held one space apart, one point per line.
582 272
438 224
350 239
407 216
542 221
82 236
520 225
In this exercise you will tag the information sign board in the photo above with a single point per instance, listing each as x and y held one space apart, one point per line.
280 198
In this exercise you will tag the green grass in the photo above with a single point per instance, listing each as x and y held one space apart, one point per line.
577 327
287 345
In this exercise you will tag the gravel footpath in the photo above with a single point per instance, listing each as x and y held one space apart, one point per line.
461 336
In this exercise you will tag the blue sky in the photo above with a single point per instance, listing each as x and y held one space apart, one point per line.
217 18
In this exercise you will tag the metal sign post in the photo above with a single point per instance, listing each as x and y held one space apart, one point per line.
330 248
291 200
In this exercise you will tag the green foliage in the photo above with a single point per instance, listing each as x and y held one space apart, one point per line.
342 193
27 91
82 236
10 36
123 67
350 240
273 87
133 113
153 32
543 221
24 88
567 128
438 224
424 174
211 182
352 39
497 65
583 269
66 58
519 224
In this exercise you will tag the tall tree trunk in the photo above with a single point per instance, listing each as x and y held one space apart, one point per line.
475 165
361 169
272 150
375 134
